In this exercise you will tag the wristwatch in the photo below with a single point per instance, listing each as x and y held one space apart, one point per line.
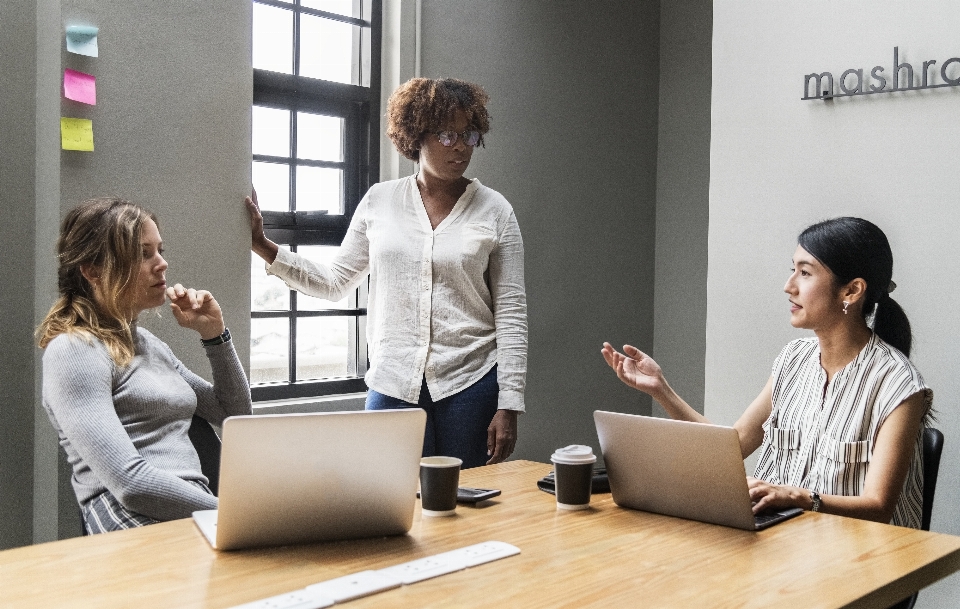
815 498
216 340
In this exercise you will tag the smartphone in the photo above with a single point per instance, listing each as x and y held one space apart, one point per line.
466 494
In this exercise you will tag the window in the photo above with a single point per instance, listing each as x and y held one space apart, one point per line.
316 96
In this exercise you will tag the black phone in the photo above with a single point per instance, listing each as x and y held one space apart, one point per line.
466 494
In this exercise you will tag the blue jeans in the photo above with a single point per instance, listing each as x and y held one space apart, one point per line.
457 424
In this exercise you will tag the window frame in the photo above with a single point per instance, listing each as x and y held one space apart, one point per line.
359 106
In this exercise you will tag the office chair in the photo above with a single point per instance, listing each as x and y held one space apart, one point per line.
207 443
932 449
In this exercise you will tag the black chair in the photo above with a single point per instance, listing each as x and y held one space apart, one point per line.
207 443
932 449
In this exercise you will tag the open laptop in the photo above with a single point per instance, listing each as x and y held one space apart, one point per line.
682 469
296 478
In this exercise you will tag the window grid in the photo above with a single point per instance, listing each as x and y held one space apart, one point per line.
358 107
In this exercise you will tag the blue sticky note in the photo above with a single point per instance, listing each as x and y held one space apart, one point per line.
82 40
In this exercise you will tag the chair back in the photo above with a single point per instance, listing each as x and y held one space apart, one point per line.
207 443
932 449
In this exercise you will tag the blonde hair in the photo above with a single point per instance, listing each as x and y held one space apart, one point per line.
102 235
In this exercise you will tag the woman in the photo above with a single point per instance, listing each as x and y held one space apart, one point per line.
839 422
120 400
447 326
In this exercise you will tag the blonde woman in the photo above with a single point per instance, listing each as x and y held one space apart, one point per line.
121 402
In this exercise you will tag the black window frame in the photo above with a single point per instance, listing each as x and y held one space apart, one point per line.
359 106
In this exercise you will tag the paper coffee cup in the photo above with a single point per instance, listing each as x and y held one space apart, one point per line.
439 478
573 476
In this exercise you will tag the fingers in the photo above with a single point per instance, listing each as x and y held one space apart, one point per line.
253 207
188 297
634 353
501 436
612 356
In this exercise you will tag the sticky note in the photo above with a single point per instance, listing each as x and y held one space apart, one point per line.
80 87
76 134
82 40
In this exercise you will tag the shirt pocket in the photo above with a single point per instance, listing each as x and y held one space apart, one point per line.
844 452
785 439
785 447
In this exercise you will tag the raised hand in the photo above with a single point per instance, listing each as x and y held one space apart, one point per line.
635 368
261 246
197 310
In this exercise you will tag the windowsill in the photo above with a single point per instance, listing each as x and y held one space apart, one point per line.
326 403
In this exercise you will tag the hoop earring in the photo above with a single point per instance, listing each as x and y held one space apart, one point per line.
845 305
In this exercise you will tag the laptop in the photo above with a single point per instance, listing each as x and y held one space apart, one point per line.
677 468
297 478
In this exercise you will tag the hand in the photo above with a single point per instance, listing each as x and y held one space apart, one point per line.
501 435
197 310
636 369
261 246
767 496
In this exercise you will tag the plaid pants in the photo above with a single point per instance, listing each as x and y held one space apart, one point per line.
104 513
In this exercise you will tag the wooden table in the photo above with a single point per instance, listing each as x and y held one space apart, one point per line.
604 557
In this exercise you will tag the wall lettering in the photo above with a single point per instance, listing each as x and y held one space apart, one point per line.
852 82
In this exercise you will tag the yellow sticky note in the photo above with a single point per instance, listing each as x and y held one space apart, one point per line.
76 134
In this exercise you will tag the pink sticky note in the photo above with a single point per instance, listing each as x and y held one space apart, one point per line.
80 87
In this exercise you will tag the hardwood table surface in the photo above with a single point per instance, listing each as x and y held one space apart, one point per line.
602 557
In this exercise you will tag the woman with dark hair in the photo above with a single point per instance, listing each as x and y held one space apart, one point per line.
447 328
120 401
840 422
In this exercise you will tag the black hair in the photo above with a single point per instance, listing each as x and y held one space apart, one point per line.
855 248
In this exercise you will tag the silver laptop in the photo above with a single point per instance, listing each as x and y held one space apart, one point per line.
296 478
687 470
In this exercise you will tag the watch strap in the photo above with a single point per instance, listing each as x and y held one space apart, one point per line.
217 340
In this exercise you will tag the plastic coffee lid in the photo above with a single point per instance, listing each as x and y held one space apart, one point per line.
574 455
440 462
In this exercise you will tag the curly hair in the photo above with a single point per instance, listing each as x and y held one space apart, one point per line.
422 105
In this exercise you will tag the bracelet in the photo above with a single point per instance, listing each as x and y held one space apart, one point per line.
217 340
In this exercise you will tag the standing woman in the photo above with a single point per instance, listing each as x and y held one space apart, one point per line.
840 422
447 309
121 402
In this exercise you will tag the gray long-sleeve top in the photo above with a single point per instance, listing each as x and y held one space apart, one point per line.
126 429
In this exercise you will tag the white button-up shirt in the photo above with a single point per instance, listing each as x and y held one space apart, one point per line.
446 304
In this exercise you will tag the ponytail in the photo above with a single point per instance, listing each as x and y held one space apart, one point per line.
891 324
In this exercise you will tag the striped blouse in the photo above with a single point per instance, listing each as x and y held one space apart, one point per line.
820 436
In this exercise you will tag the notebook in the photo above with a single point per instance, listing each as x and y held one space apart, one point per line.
682 469
297 478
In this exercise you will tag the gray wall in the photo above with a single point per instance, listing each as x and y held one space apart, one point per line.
17 201
573 147
778 164
172 131
683 186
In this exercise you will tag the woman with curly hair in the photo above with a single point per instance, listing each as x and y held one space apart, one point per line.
120 400
447 310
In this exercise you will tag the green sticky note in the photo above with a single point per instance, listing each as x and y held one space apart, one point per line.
76 134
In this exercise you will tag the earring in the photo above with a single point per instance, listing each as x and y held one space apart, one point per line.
845 305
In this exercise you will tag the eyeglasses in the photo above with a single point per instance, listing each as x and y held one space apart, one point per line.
449 138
